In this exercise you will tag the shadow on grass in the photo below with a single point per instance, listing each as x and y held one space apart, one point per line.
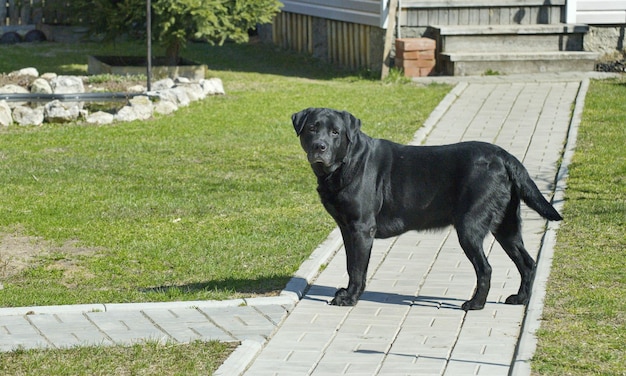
260 286
252 57
256 57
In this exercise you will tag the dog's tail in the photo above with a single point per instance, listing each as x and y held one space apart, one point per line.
528 191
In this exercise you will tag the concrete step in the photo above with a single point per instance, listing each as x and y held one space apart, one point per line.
510 38
480 63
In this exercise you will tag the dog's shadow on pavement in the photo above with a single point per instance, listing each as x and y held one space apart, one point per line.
326 294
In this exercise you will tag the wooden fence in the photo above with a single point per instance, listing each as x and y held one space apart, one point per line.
343 43
348 44
33 12
293 31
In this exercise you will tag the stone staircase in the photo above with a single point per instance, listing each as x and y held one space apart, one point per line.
511 49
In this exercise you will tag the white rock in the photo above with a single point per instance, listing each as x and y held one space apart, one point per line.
14 89
67 85
176 95
180 94
61 112
32 72
49 76
164 107
99 117
140 100
194 91
213 86
164 84
126 113
142 106
41 85
182 80
6 118
23 115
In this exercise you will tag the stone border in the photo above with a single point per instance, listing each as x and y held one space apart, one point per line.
170 94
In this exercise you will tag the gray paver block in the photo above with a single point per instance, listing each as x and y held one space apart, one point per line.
69 329
127 327
187 324
16 332
242 322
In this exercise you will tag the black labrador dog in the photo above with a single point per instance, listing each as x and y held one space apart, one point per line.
375 188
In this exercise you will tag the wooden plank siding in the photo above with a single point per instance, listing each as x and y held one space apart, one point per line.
345 43
485 12
293 31
348 44
600 12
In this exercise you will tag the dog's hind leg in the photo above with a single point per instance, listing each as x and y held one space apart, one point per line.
471 239
509 235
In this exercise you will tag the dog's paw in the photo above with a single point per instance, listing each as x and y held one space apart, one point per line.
517 299
472 305
343 298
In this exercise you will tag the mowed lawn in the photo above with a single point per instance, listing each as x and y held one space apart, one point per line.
216 201
583 331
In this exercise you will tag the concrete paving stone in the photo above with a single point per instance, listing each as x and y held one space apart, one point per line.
394 270
68 330
275 313
345 368
419 365
282 345
439 322
321 291
313 337
273 368
187 324
16 332
387 295
241 322
342 344
127 327
372 311
424 350
462 368
483 349
382 329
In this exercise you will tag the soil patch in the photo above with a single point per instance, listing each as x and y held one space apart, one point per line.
18 252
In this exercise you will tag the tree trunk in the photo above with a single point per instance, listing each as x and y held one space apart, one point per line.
172 52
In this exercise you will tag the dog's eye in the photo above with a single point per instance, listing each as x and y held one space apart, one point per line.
312 128
334 132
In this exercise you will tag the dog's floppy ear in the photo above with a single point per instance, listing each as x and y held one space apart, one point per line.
299 119
353 124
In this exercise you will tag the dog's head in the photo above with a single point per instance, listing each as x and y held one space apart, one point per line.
325 136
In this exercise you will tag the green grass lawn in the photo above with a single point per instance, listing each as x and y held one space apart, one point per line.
216 201
197 358
584 322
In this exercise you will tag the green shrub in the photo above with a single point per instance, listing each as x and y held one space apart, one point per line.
174 22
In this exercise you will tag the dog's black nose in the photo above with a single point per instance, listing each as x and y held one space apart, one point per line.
321 146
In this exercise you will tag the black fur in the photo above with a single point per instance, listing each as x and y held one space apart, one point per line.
375 188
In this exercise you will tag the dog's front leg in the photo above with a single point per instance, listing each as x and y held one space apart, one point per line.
358 240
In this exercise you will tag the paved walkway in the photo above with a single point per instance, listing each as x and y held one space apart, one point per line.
408 321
